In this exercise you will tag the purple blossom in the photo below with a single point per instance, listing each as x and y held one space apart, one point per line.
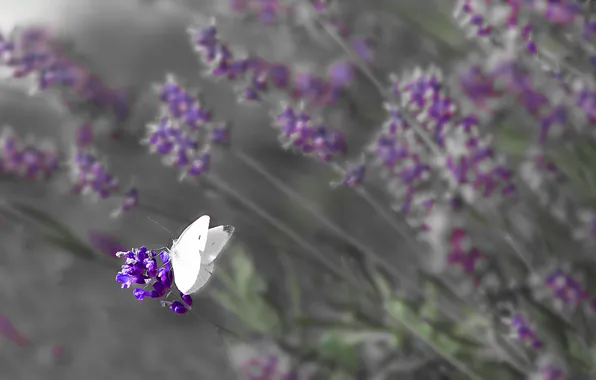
255 75
524 332
461 254
183 106
341 73
300 131
8 330
552 373
34 51
28 160
154 272
354 175
130 199
179 147
220 134
104 242
565 288
84 135
90 176
266 367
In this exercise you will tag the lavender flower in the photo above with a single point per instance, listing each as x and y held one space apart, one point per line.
149 268
179 147
464 255
84 135
255 76
8 330
565 288
552 373
524 333
90 176
183 106
266 367
353 175
299 130
28 160
34 51
104 243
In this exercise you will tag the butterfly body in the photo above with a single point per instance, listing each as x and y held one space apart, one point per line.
193 254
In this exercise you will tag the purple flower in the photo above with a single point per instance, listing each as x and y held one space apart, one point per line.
154 272
341 74
28 160
524 332
565 288
90 176
183 106
131 199
299 131
8 330
354 176
105 243
179 147
33 50
363 48
84 135
552 373
220 134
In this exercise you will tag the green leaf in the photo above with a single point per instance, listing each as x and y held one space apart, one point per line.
382 285
444 292
332 347
512 141
328 323
582 356
244 296
578 164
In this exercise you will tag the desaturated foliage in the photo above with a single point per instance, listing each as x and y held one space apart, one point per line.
410 185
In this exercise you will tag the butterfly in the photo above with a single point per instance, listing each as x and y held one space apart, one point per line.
193 254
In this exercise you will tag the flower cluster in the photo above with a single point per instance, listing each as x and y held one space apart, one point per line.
178 146
565 288
29 160
353 175
90 176
183 106
149 268
402 155
468 258
267 11
487 18
257 76
265 367
185 131
8 330
104 243
299 130
524 332
470 160
361 45
34 51
552 373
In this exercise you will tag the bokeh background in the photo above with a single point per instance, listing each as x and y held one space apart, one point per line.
75 320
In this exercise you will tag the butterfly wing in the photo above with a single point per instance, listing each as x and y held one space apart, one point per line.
204 275
186 254
217 238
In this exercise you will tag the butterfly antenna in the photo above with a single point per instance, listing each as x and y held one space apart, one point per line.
165 229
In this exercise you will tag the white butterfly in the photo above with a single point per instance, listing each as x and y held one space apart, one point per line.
194 252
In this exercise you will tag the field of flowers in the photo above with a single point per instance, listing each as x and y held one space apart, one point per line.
412 186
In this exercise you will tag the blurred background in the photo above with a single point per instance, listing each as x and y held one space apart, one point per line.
73 320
